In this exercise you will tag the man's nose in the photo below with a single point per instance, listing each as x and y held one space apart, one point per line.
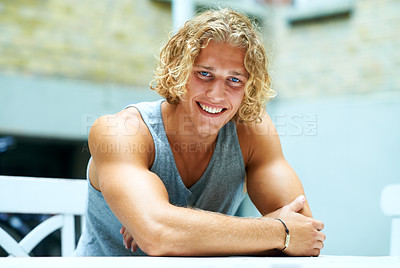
216 91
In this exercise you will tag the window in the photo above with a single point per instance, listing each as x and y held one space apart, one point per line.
304 11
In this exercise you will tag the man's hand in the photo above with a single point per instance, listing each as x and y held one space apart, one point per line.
129 242
306 238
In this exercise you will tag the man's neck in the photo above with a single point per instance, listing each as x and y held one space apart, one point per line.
179 131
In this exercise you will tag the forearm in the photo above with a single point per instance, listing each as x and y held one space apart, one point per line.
190 232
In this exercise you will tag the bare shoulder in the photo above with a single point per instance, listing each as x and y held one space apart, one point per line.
254 129
258 139
120 136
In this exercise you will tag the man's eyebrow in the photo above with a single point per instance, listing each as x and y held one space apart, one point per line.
205 67
213 69
237 74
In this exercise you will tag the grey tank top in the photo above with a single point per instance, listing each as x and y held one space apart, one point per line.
219 189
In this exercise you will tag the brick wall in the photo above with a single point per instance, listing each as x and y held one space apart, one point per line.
355 54
102 41
115 41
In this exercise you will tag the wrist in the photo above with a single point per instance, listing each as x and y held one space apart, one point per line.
286 235
275 233
280 233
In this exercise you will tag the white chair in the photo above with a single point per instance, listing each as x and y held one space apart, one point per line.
390 205
62 198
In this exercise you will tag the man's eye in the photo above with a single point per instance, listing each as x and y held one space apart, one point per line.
234 79
203 73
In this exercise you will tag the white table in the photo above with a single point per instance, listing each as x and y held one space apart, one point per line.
176 262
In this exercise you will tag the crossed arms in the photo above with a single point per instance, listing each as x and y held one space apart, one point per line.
140 201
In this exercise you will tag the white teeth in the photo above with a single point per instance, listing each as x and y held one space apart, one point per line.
211 110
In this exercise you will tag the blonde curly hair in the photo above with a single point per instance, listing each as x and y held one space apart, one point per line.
225 25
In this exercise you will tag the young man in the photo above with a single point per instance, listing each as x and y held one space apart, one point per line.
170 174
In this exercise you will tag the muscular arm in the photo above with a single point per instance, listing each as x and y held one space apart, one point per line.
139 200
271 181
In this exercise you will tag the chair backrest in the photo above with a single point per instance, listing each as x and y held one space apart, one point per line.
390 205
62 198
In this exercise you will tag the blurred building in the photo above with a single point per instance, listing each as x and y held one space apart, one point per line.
63 64
335 66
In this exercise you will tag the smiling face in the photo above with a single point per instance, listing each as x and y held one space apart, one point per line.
215 89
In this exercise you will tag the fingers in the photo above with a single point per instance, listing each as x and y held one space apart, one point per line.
127 238
316 252
321 237
298 203
134 246
319 245
129 241
319 225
